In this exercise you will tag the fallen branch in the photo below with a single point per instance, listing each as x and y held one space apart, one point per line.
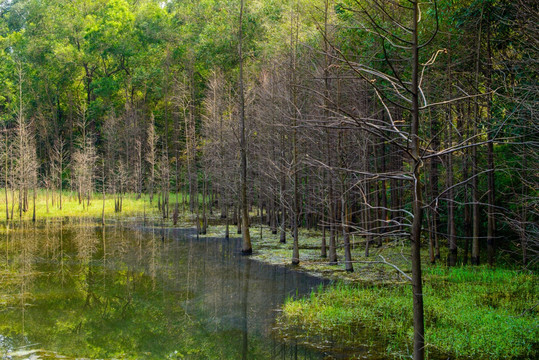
383 261
530 309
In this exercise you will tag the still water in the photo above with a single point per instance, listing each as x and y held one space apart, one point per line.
77 290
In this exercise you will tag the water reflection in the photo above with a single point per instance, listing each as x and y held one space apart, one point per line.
81 290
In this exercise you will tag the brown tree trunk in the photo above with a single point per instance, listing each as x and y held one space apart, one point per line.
246 248
349 267
34 204
383 192
417 206
6 175
491 198
475 162
323 247
451 229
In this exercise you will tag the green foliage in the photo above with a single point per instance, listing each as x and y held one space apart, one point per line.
477 313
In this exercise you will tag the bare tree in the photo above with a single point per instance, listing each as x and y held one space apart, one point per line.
58 160
151 144
25 152
246 244
83 161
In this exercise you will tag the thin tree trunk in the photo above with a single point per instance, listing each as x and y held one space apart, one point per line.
34 204
451 229
331 209
227 230
60 180
383 191
349 267
246 244
282 193
12 189
6 176
323 247
417 207
491 198
204 218
367 217
475 161
434 249
47 198
103 189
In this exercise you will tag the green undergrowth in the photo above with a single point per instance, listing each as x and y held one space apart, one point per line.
133 206
268 248
470 312
475 313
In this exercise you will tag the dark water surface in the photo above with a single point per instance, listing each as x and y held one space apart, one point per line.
80 291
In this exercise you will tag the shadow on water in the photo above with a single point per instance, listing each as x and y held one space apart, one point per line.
82 291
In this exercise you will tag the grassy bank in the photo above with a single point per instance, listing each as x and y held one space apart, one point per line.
470 312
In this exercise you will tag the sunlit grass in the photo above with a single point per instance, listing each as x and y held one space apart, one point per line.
132 206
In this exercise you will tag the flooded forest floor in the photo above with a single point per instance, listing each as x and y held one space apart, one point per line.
470 312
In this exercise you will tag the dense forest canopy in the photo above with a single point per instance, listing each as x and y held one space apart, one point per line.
149 89
133 96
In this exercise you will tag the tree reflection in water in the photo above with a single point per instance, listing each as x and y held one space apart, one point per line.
81 290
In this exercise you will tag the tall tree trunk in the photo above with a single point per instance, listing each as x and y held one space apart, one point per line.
434 249
6 174
204 217
383 191
227 229
417 207
367 215
246 243
524 217
327 93
103 191
34 203
12 187
282 194
475 160
468 227
349 267
295 203
323 247
451 229
60 180
491 198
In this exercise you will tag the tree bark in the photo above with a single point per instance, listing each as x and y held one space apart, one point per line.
246 243
417 207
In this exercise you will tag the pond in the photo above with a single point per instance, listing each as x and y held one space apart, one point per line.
77 290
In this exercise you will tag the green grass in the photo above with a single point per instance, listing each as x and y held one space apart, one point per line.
475 313
132 206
